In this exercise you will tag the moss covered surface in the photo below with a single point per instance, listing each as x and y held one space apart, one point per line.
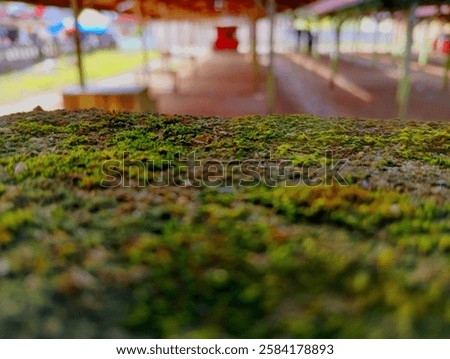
365 259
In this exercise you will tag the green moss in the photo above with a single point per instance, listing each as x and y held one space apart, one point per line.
364 260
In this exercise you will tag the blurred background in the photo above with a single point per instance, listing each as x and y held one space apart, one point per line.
328 58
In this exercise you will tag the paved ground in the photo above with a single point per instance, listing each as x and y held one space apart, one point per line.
363 89
223 86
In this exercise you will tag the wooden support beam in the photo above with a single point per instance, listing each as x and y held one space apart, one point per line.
315 30
356 35
77 38
254 53
335 56
446 74
271 92
404 84
143 34
143 37
375 39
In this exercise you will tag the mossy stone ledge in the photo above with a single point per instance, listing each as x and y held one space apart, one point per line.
364 256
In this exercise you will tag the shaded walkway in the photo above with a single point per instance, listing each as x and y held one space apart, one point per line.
362 90
223 86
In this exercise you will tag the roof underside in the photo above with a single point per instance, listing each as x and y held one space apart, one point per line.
329 7
181 9
194 9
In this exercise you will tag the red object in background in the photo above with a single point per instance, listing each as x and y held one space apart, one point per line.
442 44
226 38
39 11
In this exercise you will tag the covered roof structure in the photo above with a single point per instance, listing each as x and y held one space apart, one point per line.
181 9
329 7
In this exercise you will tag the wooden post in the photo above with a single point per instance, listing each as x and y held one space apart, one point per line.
356 34
315 32
335 57
80 63
144 49
142 35
404 85
271 95
446 73
254 52
375 42
361 43
310 38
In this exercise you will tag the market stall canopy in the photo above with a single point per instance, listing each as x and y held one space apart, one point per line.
90 21
329 7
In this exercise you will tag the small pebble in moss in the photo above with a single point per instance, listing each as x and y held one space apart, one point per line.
4 267
365 184
20 167
227 189
76 279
